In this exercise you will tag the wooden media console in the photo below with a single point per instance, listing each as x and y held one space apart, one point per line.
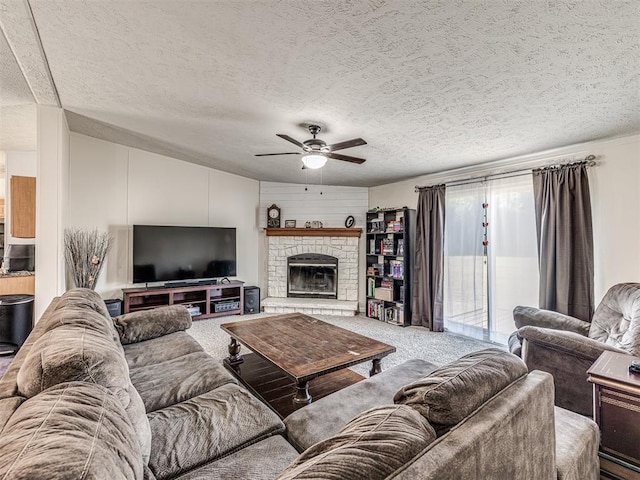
212 300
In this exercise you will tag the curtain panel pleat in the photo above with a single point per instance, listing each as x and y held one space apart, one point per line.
429 261
565 240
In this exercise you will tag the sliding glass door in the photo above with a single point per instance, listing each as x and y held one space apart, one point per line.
490 256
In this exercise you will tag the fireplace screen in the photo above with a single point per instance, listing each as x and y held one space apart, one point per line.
312 275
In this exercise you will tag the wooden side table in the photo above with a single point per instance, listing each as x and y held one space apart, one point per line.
616 403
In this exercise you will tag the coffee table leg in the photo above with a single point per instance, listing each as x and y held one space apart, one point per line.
234 352
302 396
375 368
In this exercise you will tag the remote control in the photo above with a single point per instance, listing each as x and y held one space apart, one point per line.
634 367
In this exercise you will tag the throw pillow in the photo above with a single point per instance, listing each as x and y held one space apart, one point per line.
370 447
452 392
147 324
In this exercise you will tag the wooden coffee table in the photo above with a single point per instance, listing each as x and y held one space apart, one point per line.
302 348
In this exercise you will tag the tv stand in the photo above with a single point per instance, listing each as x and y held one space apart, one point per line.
214 300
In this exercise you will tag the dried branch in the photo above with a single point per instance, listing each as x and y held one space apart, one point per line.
85 252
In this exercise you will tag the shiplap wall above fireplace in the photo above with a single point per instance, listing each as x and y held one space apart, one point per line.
331 207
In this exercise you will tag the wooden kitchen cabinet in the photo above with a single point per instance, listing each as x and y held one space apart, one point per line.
23 206
17 284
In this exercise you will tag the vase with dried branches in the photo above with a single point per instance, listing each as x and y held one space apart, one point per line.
84 253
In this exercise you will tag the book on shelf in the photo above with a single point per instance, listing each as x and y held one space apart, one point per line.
389 315
376 226
396 269
386 246
394 315
375 269
394 226
375 309
371 287
400 249
386 283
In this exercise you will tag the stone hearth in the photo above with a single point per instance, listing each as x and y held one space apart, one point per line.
344 248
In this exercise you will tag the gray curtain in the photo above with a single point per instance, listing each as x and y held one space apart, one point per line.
565 240
429 264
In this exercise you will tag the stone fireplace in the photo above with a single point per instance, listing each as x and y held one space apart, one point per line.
323 264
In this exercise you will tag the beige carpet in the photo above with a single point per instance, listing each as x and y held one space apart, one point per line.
410 342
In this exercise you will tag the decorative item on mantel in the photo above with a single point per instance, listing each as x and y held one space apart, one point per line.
84 253
273 216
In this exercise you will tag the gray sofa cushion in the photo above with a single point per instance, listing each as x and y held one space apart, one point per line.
7 407
72 315
84 298
160 349
207 427
452 392
616 321
74 353
164 384
577 443
325 417
71 431
263 460
138 418
370 447
147 324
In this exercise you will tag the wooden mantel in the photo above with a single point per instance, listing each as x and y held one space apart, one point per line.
313 232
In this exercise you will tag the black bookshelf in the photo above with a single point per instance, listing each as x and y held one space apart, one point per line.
390 248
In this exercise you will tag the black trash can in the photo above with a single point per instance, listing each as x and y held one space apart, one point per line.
16 321
114 305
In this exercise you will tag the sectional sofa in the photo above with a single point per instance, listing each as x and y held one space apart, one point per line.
136 397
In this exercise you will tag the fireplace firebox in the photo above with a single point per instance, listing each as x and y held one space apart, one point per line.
312 275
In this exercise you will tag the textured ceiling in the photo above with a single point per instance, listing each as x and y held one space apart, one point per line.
429 85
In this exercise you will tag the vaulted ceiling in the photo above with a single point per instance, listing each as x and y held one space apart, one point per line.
430 85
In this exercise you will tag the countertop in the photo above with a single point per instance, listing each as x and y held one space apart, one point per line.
20 273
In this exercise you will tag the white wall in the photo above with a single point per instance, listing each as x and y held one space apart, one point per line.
51 204
615 200
112 187
304 203
22 164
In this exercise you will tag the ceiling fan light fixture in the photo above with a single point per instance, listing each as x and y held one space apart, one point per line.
314 161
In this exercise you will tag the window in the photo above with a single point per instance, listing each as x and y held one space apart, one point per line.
491 260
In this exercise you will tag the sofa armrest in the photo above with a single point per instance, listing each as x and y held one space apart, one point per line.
567 356
566 343
537 317
147 324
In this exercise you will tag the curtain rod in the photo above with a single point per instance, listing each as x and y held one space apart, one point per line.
589 160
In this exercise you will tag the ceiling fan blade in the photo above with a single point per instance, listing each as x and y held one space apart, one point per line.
289 139
269 154
349 143
346 158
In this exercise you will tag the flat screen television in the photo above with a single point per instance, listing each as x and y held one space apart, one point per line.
182 254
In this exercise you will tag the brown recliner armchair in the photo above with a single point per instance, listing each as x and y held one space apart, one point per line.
566 347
